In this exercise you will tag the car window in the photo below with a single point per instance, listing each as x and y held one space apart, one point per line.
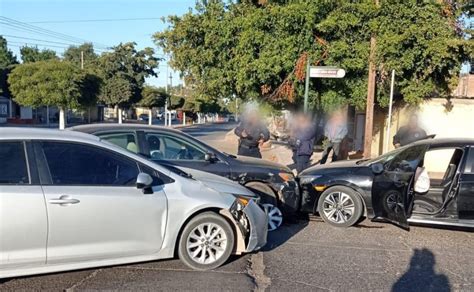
125 140
407 159
79 164
164 147
13 167
437 162
469 167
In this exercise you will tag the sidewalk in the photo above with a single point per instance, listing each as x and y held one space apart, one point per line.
272 152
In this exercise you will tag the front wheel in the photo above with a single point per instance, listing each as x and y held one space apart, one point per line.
207 242
340 206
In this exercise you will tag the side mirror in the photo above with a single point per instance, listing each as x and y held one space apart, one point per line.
210 157
144 182
377 168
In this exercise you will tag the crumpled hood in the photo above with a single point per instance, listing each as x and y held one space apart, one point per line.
255 162
343 164
219 183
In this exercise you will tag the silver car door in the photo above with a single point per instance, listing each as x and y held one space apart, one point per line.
23 221
94 209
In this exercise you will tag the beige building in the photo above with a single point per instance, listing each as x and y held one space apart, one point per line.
442 117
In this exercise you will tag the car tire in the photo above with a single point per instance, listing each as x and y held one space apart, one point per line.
269 204
206 242
340 206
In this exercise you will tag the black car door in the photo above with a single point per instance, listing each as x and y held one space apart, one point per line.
177 150
465 199
392 188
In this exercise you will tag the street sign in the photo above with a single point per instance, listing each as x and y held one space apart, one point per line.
326 72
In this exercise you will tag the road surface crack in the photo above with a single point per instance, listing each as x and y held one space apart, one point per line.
80 282
256 271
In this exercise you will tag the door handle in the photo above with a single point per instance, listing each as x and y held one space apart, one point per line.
64 201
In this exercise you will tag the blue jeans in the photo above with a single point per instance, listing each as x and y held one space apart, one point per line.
302 162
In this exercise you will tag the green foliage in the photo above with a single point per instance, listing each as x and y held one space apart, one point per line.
6 56
117 91
125 68
242 47
153 97
73 55
52 83
33 54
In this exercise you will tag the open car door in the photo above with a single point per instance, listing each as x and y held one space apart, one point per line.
392 188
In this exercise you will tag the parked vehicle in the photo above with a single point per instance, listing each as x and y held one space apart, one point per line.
383 188
70 201
143 117
274 182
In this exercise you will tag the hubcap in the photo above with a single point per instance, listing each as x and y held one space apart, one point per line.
206 243
275 217
338 207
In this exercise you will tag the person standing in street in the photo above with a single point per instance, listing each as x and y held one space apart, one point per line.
335 130
410 133
303 136
252 132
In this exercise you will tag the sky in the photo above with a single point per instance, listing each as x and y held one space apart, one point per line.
59 16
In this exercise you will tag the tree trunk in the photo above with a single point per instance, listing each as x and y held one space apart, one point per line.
150 117
119 115
62 120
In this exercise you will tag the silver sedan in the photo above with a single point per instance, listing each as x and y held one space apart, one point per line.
70 201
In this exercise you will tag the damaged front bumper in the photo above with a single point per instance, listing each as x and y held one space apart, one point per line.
289 194
251 226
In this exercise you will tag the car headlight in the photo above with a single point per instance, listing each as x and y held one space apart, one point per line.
243 200
308 179
286 176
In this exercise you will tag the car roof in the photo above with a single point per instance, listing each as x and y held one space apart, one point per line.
29 133
93 128
445 142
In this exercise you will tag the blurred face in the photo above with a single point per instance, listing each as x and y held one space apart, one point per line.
413 122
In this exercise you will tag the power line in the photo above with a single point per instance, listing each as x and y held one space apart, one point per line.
35 29
97 20
33 39
36 44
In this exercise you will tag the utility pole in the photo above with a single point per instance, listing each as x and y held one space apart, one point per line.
306 86
171 87
82 60
369 111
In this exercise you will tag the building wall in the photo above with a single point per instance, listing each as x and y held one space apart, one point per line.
446 119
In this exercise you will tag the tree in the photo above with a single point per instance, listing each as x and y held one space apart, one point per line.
117 92
6 56
73 55
7 61
259 49
33 54
153 97
125 68
47 83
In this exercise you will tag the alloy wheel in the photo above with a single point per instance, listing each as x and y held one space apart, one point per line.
275 216
206 243
338 207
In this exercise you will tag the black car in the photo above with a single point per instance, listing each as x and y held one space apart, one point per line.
383 188
274 182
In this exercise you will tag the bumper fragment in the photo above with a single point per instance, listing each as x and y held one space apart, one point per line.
258 221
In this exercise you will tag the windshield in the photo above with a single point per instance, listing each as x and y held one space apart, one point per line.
384 158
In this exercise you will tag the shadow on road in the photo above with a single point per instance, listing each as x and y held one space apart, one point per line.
283 234
421 275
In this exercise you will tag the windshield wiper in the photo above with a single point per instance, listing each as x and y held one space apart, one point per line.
230 155
178 171
362 160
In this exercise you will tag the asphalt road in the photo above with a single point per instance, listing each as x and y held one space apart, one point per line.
309 256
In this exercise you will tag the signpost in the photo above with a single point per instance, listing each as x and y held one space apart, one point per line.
320 72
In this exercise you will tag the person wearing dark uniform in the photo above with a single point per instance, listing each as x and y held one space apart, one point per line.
303 136
410 133
251 132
